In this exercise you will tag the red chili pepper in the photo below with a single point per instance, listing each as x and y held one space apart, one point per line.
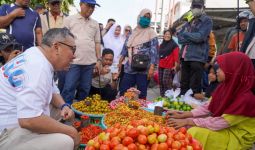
89 133
84 117
77 124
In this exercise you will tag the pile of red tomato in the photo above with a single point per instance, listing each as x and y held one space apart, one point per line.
143 135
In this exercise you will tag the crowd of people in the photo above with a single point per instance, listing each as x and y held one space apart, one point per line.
50 59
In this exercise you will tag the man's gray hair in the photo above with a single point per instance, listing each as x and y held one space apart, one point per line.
56 34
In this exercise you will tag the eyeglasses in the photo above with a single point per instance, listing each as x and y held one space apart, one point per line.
73 48
127 30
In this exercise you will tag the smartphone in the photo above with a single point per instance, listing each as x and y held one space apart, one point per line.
114 69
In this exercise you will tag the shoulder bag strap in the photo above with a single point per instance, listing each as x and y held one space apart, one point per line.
48 19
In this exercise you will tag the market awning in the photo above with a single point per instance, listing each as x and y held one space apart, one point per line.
223 17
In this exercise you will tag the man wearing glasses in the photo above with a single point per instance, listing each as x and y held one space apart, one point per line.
53 18
28 90
87 56
22 22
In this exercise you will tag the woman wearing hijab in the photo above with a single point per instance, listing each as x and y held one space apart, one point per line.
228 121
168 61
141 50
127 31
114 41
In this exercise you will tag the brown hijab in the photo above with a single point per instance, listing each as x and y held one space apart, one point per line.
141 35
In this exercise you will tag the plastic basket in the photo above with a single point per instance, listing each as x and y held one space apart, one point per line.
103 125
82 113
82 147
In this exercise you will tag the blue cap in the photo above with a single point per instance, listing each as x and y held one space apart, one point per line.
90 2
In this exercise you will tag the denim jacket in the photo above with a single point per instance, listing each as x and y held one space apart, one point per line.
194 38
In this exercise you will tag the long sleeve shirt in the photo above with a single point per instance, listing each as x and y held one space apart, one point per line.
203 119
149 48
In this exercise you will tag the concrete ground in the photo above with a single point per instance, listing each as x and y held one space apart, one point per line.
152 93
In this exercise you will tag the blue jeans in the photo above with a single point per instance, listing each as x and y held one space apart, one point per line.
130 80
77 75
61 75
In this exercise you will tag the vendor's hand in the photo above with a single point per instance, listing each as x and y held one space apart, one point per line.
177 123
13 54
150 73
67 113
18 12
174 114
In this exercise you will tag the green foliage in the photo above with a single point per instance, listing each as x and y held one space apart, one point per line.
65 3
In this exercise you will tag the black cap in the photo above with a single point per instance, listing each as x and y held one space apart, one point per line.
51 1
7 40
39 6
198 2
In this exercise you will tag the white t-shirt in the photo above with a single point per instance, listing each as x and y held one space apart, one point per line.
27 85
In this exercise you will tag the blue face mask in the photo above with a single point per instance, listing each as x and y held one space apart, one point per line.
144 22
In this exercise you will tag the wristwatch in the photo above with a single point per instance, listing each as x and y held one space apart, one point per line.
66 104
99 59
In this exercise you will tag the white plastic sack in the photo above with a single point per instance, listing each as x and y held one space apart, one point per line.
169 93
153 105
177 79
173 93
187 98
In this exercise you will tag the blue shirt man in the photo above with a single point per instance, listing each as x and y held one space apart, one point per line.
22 22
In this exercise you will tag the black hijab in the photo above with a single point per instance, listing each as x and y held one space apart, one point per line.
166 48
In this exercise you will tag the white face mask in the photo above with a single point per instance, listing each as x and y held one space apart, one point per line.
197 12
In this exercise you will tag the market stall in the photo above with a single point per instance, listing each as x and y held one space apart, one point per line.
130 123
